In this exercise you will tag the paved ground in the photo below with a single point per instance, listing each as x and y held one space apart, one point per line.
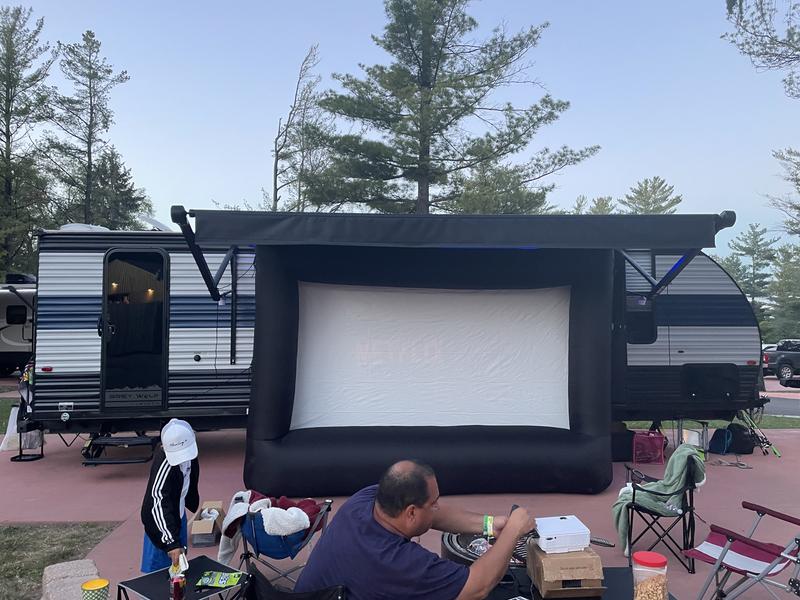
58 488
783 401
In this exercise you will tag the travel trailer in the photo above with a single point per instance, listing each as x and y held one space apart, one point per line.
17 299
134 328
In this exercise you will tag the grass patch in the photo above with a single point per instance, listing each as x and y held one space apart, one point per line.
766 422
5 408
28 549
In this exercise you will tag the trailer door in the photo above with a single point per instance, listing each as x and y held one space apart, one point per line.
133 329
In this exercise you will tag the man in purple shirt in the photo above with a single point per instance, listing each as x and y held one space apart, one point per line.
368 546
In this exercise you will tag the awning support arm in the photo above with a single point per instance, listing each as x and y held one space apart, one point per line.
179 217
658 286
639 269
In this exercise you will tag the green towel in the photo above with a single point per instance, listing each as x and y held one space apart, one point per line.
674 479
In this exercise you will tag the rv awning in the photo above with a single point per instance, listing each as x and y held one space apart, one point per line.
241 228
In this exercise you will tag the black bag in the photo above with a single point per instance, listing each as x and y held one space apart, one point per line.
742 439
735 439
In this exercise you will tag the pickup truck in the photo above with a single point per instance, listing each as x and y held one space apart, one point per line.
784 361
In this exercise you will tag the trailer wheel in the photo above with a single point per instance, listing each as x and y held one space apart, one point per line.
785 371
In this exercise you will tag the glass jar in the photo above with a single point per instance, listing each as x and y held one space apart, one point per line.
649 576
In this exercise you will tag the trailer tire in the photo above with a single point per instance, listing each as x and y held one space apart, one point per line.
785 371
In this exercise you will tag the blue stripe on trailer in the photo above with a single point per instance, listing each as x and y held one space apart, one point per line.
724 310
83 312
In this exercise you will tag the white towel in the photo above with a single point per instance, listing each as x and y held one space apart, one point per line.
282 522
236 510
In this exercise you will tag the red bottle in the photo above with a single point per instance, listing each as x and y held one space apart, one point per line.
178 587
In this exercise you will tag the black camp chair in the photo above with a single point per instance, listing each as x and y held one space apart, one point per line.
662 526
260 588
258 544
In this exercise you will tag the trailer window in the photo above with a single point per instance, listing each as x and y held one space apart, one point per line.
16 315
640 320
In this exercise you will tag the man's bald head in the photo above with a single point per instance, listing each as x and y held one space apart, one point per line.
403 484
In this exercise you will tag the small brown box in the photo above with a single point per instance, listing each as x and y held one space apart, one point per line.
565 575
207 533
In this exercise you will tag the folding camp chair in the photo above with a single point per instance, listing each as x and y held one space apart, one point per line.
756 562
258 543
653 520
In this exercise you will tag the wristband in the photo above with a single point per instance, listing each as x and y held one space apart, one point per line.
488 525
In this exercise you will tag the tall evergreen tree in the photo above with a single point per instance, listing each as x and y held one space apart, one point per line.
420 113
755 247
492 188
24 66
651 197
784 293
768 33
82 118
116 200
601 205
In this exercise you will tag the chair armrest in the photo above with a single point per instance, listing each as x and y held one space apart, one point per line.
762 510
636 473
662 494
732 536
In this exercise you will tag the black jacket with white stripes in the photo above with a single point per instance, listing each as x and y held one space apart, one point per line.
162 501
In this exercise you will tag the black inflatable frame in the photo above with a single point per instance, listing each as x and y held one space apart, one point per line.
467 459
450 252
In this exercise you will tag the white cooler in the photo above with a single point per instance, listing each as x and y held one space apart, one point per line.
562 534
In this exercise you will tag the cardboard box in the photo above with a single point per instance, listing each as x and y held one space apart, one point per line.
207 533
565 575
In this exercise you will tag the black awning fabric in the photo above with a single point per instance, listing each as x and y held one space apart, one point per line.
219 227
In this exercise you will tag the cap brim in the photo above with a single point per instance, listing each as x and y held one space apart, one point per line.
182 455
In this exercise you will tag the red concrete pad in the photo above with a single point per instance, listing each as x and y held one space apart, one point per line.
60 489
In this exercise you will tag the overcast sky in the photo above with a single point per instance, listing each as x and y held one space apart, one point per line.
650 82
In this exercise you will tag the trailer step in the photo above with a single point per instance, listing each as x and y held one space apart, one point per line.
94 449
94 462
125 442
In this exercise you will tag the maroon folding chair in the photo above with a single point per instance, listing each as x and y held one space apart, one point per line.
755 562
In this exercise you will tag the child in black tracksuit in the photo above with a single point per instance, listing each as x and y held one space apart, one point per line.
171 489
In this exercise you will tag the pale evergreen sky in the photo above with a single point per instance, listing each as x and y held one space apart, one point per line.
651 82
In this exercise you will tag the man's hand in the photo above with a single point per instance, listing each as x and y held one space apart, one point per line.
498 524
175 555
520 522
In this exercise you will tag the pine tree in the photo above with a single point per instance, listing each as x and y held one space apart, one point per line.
651 197
419 115
116 201
24 66
602 205
784 293
496 189
82 119
754 246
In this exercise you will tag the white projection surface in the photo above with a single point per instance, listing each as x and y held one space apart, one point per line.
379 356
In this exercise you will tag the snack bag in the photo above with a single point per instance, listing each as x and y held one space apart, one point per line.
217 579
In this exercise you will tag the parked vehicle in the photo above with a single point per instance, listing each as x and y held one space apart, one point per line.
17 299
765 357
784 361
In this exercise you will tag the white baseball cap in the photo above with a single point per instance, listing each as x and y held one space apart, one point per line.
179 442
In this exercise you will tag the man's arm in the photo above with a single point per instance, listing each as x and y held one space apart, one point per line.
454 519
486 572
